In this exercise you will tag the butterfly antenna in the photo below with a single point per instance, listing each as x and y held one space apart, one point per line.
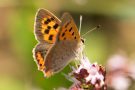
91 30
80 24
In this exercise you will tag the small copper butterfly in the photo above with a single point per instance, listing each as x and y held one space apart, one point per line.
58 41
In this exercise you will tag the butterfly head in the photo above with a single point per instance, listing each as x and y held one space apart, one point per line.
82 40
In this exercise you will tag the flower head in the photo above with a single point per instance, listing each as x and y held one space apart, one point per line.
87 76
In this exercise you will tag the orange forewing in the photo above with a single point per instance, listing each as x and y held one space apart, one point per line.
46 26
69 30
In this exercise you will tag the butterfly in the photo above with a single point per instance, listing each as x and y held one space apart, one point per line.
58 41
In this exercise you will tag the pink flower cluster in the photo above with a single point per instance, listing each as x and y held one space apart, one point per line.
88 76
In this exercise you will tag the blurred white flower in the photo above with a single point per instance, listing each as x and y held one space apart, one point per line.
121 72
117 62
120 82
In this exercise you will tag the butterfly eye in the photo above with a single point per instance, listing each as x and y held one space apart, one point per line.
82 40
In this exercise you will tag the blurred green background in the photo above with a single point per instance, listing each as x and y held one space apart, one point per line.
18 71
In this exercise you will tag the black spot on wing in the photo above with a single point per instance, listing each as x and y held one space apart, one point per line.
63 34
52 18
70 29
47 21
65 30
55 26
38 60
46 31
72 33
74 37
64 38
40 64
67 24
49 27
50 37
